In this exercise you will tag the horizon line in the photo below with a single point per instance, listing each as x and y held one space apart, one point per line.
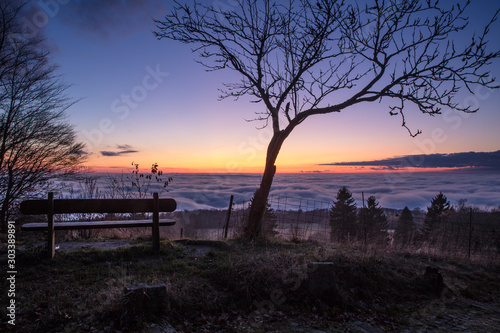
350 170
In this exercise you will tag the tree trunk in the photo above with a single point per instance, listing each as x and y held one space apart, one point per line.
7 200
259 201
3 218
253 228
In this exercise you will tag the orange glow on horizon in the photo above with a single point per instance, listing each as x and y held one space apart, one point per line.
280 169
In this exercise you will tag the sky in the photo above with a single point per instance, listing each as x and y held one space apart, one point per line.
145 101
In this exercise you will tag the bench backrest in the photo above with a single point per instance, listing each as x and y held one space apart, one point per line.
52 206
69 206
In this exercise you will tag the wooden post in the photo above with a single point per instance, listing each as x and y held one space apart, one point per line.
228 216
470 230
51 236
364 220
156 223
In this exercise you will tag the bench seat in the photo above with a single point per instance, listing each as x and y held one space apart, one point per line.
95 224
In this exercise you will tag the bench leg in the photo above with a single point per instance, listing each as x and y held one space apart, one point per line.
51 236
156 223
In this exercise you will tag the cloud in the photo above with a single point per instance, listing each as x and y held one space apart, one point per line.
313 191
317 191
34 22
124 147
475 160
122 150
117 153
111 18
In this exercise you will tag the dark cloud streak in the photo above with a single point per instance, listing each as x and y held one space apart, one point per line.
124 147
117 153
122 150
476 160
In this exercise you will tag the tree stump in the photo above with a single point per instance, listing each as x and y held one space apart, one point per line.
143 298
321 281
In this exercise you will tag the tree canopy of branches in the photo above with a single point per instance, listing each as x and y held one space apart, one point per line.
343 218
306 58
36 142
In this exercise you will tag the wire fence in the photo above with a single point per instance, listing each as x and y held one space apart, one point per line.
464 231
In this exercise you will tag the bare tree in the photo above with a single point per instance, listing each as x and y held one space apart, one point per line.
304 58
36 142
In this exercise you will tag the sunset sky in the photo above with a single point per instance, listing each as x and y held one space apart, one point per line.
145 101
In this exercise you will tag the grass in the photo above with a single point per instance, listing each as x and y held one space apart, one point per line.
239 286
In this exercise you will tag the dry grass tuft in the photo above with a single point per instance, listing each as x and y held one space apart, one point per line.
238 286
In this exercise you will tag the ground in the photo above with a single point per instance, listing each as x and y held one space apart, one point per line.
239 286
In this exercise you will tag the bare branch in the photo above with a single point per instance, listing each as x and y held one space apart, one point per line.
297 56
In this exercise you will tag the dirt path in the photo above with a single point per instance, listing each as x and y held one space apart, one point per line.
75 246
455 315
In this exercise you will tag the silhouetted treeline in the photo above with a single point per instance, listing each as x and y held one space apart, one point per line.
442 227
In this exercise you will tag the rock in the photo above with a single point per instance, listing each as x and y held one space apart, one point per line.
360 327
321 281
432 281
163 327
142 298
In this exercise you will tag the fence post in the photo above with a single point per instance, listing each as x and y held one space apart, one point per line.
228 216
470 230
364 220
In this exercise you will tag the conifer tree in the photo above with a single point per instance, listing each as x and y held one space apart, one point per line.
374 222
343 219
405 230
435 217
269 222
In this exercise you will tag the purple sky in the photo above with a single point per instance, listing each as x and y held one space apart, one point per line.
146 101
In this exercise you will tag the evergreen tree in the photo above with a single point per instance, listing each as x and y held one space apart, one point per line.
343 222
269 222
405 230
374 222
435 217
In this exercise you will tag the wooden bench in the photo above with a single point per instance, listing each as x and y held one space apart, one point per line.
52 206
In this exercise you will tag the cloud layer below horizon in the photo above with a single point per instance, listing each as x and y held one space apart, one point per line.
310 191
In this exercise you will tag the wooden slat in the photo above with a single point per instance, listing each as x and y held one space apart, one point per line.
70 206
96 225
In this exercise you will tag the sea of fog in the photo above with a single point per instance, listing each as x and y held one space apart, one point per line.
317 190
